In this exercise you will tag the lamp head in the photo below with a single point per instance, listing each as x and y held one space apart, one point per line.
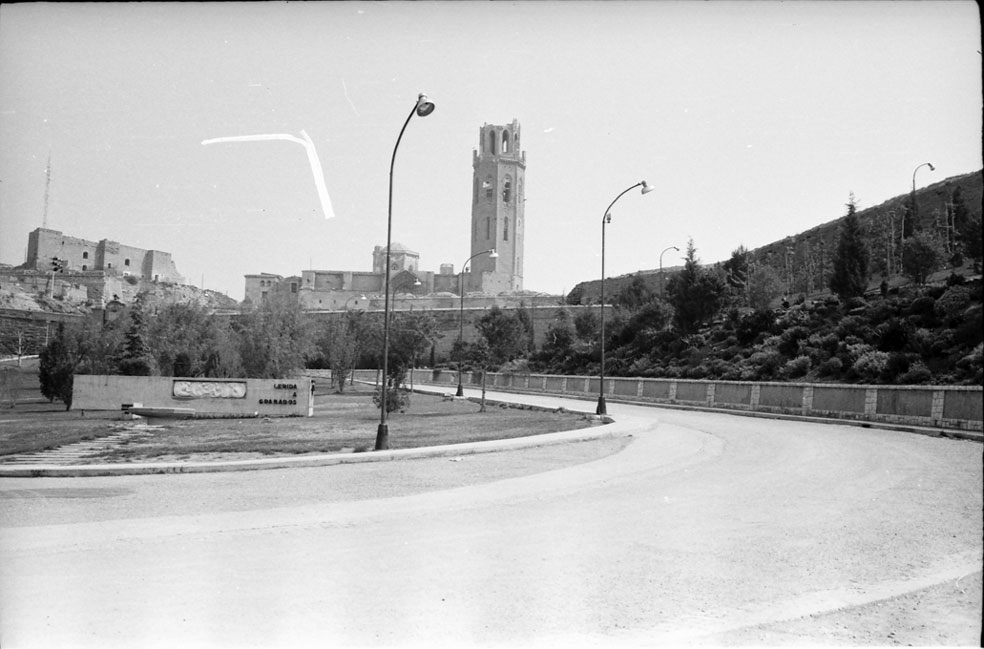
646 187
424 105
931 167
493 254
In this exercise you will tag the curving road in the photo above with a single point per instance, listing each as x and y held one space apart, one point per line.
700 528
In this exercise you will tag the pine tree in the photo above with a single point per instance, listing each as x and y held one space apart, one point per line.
850 276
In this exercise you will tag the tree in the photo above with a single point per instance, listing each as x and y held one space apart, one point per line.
736 271
635 295
506 335
764 286
273 339
850 276
411 334
56 368
694 292
920 257
967 226
136 358
180 338
341 344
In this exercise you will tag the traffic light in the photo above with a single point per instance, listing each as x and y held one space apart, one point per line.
58 265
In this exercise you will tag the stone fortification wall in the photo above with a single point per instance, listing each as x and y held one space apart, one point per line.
105 255
206 397
934 406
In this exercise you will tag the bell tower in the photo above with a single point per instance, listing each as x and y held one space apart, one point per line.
498 210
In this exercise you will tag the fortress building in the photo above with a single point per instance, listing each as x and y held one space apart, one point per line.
81 255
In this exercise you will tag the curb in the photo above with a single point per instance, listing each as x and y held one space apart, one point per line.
610 430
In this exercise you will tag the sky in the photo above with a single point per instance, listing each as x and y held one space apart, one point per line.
751 120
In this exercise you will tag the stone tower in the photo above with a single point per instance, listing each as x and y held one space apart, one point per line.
498 200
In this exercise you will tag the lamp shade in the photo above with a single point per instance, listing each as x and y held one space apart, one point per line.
424 105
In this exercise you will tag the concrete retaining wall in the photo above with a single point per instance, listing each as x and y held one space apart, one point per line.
207 397
953 407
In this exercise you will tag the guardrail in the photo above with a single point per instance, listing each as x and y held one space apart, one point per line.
957 407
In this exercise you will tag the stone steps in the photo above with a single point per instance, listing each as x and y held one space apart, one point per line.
79 452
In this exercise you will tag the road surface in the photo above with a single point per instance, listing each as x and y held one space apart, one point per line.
700 528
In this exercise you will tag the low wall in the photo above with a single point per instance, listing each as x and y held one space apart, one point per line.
954 407
207 397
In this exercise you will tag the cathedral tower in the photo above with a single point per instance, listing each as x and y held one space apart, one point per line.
498 200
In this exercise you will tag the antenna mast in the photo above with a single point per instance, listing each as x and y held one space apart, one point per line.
47 184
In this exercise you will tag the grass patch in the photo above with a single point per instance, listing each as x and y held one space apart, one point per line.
341 423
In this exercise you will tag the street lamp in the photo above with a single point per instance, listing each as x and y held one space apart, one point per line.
461 312
602 409
423 108
661 282
913 212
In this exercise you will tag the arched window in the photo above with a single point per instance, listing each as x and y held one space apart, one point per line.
489 189
488 227
492 142
505 229
505 141
507 190
475 191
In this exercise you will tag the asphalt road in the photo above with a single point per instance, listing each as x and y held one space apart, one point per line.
700 528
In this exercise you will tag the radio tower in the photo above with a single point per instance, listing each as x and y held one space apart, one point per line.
47 184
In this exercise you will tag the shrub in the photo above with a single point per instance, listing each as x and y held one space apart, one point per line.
831 367
396 399
916 375
789 340
897 364
870 365
952 304
797 367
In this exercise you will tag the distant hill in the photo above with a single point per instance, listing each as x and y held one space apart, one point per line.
804 260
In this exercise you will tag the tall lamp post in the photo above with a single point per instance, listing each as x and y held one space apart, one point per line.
907 231
661 282
602 408
461 312
423 108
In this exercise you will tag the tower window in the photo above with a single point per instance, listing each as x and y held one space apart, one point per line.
488 227
126 262
505 229
505 141
507 190
492 142
475 191
489 190
85 255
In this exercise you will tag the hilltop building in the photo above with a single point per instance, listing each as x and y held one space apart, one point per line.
81 255
497 221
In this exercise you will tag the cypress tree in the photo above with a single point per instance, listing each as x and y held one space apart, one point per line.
850 276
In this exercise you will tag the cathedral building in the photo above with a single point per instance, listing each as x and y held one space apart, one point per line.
497 222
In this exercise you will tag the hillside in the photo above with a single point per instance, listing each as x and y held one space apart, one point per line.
803 261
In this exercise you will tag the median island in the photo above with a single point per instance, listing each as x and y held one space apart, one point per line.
342 423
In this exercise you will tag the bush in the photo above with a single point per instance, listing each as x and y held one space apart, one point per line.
897 365
831 367
918 374
789 340
396 399
952 304
870 365
797 367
